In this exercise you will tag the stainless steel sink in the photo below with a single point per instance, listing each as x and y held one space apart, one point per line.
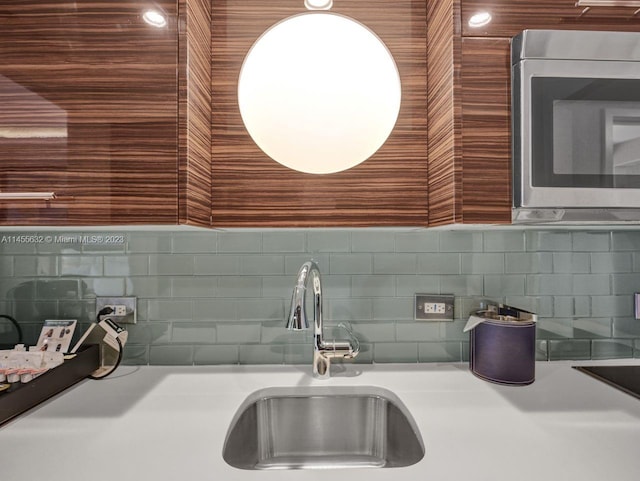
325 427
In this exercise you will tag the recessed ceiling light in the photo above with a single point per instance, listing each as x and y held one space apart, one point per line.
154 18
480 19
318 4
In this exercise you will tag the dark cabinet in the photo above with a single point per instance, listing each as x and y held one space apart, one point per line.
88 113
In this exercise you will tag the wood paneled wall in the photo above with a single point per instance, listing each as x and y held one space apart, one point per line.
444 112
251 190
194 154
510 17
486 130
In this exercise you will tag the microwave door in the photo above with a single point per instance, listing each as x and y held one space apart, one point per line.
622 141
576 134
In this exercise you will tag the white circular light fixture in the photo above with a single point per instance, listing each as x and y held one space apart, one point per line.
318 4
480 19
319 92
154 18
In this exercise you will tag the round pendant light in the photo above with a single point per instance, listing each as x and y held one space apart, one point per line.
319 92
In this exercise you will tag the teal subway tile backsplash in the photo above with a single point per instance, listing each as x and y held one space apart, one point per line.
418 331
347 309
373 286
497 286
439 263
408 286
249 242
439 352
504 241
422 241
528 263
612 262
283 242
399 308
147 287
350 264
385 352
221 297
612 349
171 265
262 353
567 349
612 306
625 284
171 354
215 354
571 262
541 241
592 328
239 333
262 265
169 309
329 241
626 327
260 309
482 263
370 332
84 266
462 285
194 243
591 241
141 242
220 265
383 241
394 263
193 332
461 241
131 265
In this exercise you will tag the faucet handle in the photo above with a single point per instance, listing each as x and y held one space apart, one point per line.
354 343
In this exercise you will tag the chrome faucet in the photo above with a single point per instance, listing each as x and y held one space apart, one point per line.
323 351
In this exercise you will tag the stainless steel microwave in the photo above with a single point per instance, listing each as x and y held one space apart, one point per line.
576 126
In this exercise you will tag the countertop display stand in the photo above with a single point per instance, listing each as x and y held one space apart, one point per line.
21 397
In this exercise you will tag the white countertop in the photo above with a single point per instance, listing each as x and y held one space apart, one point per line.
169 423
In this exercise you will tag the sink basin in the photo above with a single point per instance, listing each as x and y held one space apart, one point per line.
326 427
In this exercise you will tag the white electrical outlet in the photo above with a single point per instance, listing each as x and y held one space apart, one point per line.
124 309
119 310
433 307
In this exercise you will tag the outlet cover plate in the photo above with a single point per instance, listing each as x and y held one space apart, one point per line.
433 307
130 316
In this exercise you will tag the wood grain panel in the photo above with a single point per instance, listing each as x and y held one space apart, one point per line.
250 189
444 114
194 112
486 130
107 81
512 16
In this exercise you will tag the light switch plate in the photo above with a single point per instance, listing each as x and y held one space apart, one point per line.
433 307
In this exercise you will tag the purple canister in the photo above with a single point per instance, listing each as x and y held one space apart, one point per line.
503 345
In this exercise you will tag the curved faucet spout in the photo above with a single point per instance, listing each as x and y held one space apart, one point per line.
323 351
298 319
